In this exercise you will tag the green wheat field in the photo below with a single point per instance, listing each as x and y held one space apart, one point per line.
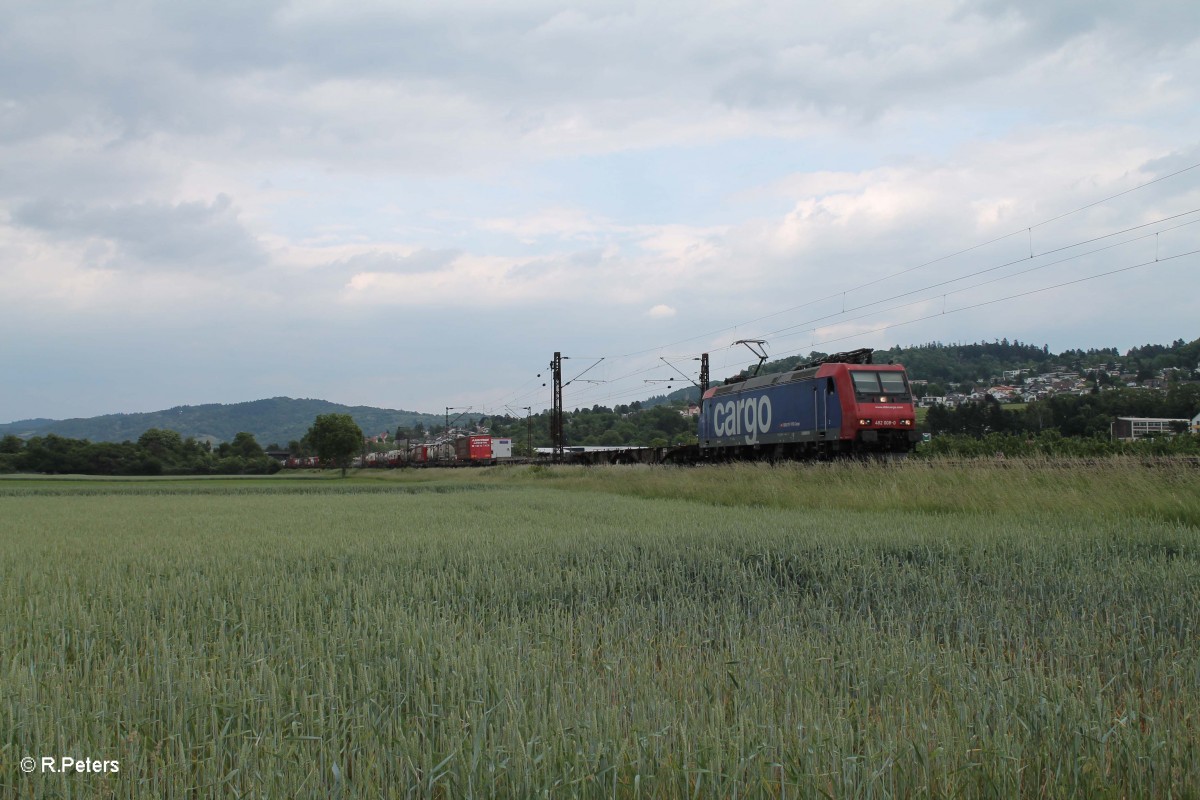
1010 629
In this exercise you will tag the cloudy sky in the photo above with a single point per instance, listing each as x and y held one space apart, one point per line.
414 205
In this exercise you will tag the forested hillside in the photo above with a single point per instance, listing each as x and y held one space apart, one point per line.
277 420
981 362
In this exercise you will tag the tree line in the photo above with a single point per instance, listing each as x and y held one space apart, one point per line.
1075 425
335 438
979 362
632 424
156 452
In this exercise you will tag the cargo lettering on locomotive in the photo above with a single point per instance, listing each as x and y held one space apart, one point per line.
839 404
745 416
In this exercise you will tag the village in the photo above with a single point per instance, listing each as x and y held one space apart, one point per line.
1022 386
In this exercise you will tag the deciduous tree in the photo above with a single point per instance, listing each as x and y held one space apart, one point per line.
336 438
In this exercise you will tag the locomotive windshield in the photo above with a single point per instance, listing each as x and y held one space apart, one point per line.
871 384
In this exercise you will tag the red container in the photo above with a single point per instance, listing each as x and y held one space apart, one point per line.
473 448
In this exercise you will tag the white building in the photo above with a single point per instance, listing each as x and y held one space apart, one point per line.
1132 428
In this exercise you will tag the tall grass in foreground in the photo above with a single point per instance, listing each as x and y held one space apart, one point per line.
522 642
1114 488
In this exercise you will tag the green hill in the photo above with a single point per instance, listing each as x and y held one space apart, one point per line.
276 420
984 361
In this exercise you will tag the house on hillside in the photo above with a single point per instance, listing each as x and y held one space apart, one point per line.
1004 394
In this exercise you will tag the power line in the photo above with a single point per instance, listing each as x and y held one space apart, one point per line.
908 270
1009 297
945 312
829 318
1001 266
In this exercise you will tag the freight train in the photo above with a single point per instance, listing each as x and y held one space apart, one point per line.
839 405
473 450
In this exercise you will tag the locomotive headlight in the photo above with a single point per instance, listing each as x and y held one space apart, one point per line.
864 422
908 422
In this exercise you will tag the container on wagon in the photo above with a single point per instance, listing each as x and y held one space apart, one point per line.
473 448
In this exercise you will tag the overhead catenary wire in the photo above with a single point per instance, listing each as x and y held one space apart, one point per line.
993 269
1027 230
648 369
830 317
1002 299
1157 260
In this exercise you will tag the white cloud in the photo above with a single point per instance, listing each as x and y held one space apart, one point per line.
556 223
579 174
